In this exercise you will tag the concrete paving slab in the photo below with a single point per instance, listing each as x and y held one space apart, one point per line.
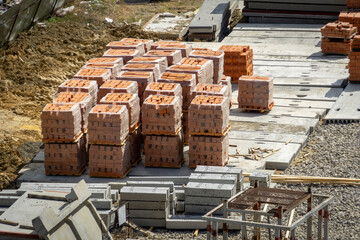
144 193
220 170
270 127
347 108
268 137
310 93
209 190
296 103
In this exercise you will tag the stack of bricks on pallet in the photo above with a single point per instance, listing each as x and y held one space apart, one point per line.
224 170
260 179
354 63
351 4
125 54
147 206
336 37
139 46
212 90
100 75
114 64
65 145
196 70
142 79
218 61
147 42
167 184
352 17
160 88
172 56
206 65
109 153
226 81
77 85
84 99
208 125
187 82
256 92
102 197
183 47
143 67
114 69
202 197
117 86
161 119
155 45
238 61
135 139
161 61
132 103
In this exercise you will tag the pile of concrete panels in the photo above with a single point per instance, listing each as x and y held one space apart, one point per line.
211 21
161 119
256 93
147 206
293 11
238 61
208 128
354 63
336 37
218 61
109 152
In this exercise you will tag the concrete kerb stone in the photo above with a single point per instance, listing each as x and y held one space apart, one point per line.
210 190
213 178
144 193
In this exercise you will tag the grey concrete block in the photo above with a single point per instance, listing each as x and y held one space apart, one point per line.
192 222
200 209
260 176
180 194
115 195
108 217
220 170
213 178
152 184
210 190
103 204
180 207
155 214
142 222
146 205
178 180
210 201
9 192
144 194
117 185
7 201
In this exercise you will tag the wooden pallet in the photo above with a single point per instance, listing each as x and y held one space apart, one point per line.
111 175
109 143
133 129
63 140
163 133
162 166
67 174
257 109
211 134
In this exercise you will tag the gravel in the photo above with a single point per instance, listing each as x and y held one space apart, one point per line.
331 151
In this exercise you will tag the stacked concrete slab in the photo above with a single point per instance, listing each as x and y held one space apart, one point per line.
208 127
211 21
147 206
109 152
161 119
226 81
238 61
336 37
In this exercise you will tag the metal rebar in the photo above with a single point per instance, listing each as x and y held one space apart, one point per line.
309 220
215 230
243 228
225 225
209 230
326 222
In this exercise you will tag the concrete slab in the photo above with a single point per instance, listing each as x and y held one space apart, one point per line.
103 204
168 184
213 178
295 103
153 214
7 201
147 205
210 201
347 108
220 170
180 194
279 160
268 137
200 209
269 127
309 93
39 157
311 82
143 222
193 222
209 190
144 194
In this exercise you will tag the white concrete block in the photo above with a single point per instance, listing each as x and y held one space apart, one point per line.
210 190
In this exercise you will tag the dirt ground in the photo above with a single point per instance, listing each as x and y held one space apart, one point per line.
37 61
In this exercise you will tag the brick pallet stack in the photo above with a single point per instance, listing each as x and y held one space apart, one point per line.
226 81
173 56
212 90
352 17
352 4
183 47
100 75
198 71
168 89
337 37
207 67
113 64
256 93
64 141
77 85
139 46
161 118
109 153
143 67
238 61
161 61
125 54
117 86
132 103
208 127
188 83
218 60
147 43
354 63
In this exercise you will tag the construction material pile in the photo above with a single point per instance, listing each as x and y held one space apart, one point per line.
354 63
238 61
256 93
351 16
218 60
336 37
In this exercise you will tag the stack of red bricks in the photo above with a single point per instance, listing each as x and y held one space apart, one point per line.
138 46
64 142
161 61
77 85
352 17
166 45
212 90
161 123
354 63
238 61
256 93
113 64
226 81
336 37
100 75
218 61
168 89
125 54
352 4
147 42
109 152
117 86
172 56
188 83
143 67
207 67
208 126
